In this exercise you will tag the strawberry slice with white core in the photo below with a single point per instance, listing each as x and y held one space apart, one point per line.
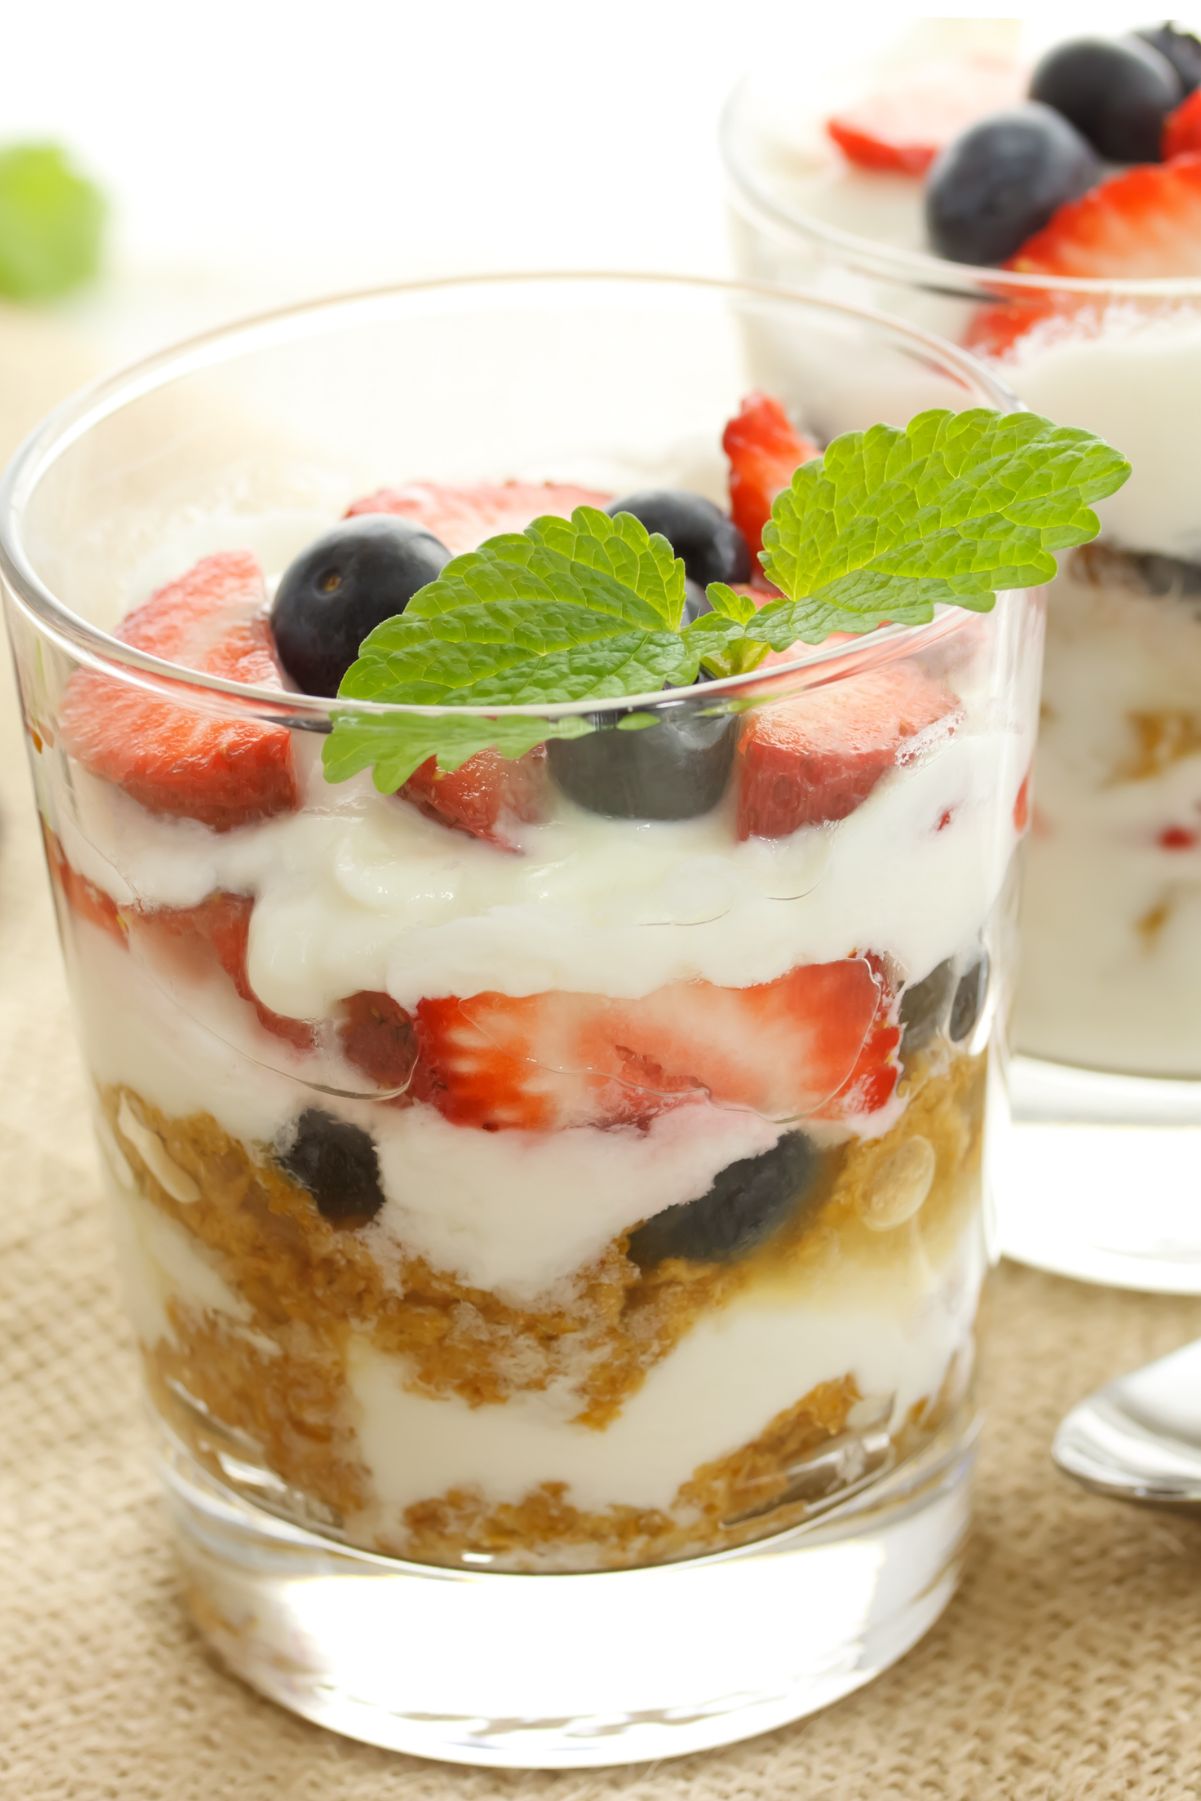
1140 225
818 1042
904 127
176 758
463 517
488 796
764 449
814 759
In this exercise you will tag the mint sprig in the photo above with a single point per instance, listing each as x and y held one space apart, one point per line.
884 527
51 223
579 609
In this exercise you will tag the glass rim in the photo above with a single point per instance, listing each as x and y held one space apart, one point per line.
960 281
107 396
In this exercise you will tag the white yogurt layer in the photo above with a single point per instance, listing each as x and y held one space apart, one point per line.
362 892
1111 918
721 1385
517 1212
513 1212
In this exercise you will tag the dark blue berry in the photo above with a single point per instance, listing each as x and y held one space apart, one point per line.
748 1202
339 589
1182 50
1117 92
710 544
924 1007
999 182
1164 577
677 768
337 1163
970 995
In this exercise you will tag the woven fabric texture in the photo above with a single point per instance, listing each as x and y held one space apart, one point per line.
1067 1669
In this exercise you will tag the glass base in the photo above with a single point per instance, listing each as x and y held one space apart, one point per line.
1099 1177
572 1671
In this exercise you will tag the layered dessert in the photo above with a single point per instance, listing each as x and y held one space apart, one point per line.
568 1155
1041 205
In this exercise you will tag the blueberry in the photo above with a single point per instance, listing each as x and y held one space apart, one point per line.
999 181
748 1202
339 589
1166 577
677 768
1116 92
968 1004
924 1007
710 544
1181 48
337 1163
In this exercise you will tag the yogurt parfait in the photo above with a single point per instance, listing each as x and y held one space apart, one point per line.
537 943
1041 205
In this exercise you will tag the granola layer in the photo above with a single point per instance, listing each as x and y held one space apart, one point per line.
272 1388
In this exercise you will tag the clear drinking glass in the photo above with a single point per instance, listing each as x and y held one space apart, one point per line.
633 1414
1099 1175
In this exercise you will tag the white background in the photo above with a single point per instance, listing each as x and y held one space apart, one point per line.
256 150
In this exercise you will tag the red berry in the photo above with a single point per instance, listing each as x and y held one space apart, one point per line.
764 451
905 126
379 1037
488 795
216 933
1182 129
1021 805
81 895
818 1042
1142 224
815 759
463 517
179 759
1177 837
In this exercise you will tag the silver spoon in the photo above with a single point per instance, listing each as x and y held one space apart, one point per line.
1139 1438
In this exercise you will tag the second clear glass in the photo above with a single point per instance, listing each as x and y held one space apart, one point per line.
1100 1169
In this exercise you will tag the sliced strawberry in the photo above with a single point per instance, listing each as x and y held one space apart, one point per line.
464 517
171 757
487 796
1182 129
819 1041
217 933
818 757
904 126
1142 224
994 330
763 450
1021 805
81 895
380 1038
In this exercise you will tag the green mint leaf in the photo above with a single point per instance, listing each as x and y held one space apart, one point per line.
887 524
393 746
51 223
882 528
726 604
721 636
586 608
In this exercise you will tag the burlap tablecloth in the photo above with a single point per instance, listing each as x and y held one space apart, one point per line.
1068 1667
